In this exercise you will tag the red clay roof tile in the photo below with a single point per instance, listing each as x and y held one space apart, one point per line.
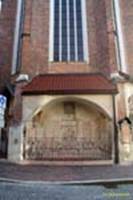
70 84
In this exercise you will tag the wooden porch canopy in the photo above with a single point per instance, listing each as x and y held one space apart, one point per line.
69 84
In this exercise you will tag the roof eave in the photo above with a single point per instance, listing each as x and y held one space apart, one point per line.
70 92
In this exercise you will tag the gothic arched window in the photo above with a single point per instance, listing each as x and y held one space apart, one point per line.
68 31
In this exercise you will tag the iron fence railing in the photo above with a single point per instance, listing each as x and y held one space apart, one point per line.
76 147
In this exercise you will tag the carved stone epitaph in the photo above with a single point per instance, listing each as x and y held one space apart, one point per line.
69 131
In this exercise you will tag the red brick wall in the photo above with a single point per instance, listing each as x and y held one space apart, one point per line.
127 20
35 46
7 22
36 42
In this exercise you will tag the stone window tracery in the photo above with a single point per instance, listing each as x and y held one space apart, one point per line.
68 31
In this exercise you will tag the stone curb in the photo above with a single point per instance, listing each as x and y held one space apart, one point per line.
87 182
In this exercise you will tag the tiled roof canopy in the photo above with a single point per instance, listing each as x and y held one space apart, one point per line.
70 84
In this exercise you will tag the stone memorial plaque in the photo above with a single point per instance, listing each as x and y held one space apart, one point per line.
74 134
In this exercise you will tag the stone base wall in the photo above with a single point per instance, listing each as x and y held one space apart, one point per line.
124 105
15 143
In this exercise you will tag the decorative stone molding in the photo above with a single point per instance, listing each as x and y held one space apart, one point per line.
22 77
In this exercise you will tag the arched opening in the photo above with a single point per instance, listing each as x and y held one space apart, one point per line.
69 129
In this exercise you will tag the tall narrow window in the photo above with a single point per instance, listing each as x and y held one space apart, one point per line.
68 38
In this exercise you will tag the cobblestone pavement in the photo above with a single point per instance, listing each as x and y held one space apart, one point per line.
63 173
10 191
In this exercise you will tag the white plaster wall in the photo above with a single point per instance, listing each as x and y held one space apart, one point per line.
32 104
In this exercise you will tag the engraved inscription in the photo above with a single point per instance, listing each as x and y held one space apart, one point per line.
78 133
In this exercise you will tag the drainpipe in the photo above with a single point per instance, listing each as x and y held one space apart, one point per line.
0 5
16 36
120 38
116 136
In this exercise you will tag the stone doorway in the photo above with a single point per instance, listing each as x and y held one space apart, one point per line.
68 130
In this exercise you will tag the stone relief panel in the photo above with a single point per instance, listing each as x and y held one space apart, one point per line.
70 131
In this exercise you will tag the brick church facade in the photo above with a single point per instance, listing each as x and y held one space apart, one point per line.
66 70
